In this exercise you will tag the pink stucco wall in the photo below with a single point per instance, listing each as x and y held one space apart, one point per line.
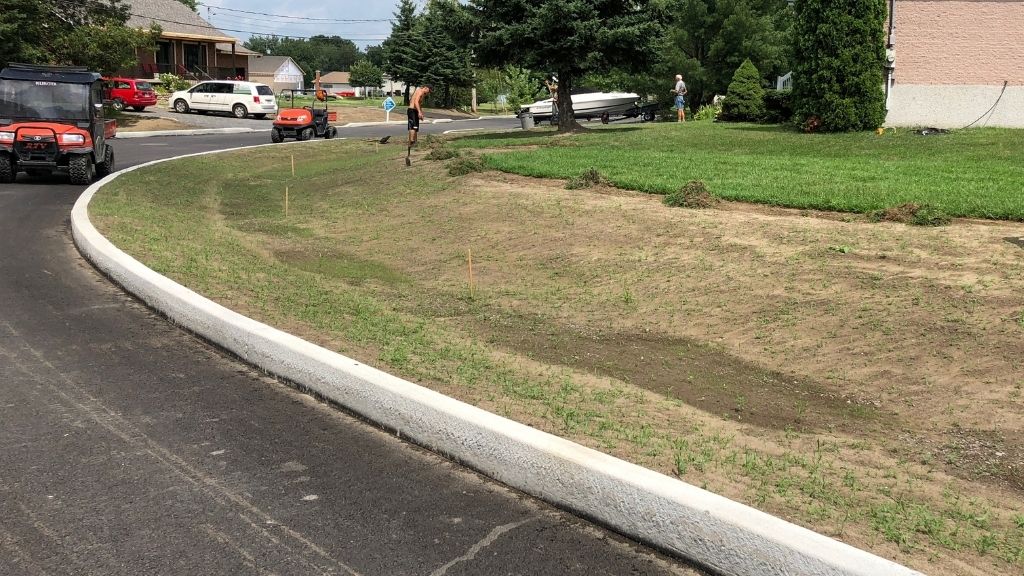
963 42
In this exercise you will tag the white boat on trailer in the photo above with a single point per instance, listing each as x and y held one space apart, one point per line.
588 105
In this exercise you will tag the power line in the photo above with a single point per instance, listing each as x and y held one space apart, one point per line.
324 20
245 20
197 25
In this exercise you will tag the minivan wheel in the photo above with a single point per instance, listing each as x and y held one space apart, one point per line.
138 108
117 104
181 107
240 111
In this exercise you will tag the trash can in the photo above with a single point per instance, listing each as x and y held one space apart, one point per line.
526 119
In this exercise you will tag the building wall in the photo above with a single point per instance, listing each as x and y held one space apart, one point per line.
952 58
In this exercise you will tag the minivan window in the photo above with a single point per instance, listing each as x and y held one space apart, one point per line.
242 89
221 88
264 90
144 86
200 89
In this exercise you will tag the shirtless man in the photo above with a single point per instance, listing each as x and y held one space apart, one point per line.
415 115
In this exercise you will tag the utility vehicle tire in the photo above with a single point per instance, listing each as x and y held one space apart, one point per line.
259 116
276 136
240 111
7 170
107 166
81 169
138 108
307 134
332 132
180 106
117 104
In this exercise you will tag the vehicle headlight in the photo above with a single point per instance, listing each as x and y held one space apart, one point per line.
72 139
6 136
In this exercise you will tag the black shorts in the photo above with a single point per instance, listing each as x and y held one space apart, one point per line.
414 119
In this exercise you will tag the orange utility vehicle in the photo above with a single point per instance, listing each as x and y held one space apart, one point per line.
307 122
51 119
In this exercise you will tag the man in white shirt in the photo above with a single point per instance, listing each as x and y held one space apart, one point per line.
680 92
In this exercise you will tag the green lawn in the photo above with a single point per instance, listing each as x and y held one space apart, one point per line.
976 173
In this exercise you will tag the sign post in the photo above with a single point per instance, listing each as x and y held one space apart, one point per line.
389 105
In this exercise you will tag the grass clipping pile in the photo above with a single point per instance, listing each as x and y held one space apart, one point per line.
871 392
694 194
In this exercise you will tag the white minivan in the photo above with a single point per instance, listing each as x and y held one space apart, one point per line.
239 98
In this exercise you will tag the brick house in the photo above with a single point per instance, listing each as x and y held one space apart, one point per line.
951 60
189 46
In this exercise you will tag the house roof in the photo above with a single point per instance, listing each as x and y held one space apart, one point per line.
175 19
269 64
336 78
239 49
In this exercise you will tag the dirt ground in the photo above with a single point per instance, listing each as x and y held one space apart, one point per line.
774 323
130 123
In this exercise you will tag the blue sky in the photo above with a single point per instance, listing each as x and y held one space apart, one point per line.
224 14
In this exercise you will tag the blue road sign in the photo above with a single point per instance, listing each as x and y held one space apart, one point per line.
389 104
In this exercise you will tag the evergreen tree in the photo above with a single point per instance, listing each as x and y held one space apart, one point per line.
446 56
745 99
401 50
839 48
569 38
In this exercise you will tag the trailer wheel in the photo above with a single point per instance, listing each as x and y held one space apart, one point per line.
648 116
81 169
8 172
276 136
306 134
107 166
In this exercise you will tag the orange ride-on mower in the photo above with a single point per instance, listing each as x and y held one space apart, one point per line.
304 123
51 119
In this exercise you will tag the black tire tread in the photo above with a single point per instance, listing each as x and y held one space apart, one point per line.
79 169
107 166
7 171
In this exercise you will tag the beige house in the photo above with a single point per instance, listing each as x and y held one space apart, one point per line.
954 62
278 72
189 46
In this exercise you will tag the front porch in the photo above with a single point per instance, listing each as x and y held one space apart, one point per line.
194 59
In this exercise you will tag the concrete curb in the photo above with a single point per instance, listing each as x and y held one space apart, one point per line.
195 132
724 536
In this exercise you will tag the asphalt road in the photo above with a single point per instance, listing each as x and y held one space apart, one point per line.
130 447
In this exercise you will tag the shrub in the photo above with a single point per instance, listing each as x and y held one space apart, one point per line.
171 83
778 106
840 55
708 112
745 98
587 179
694 194
465 165
914 214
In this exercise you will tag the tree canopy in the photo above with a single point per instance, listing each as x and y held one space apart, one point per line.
568 38
90 34
365 74
324 53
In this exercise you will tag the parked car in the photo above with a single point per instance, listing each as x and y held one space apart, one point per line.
128 92
239 98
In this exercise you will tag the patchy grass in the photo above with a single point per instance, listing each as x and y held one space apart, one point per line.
693 195
967 173
858 378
